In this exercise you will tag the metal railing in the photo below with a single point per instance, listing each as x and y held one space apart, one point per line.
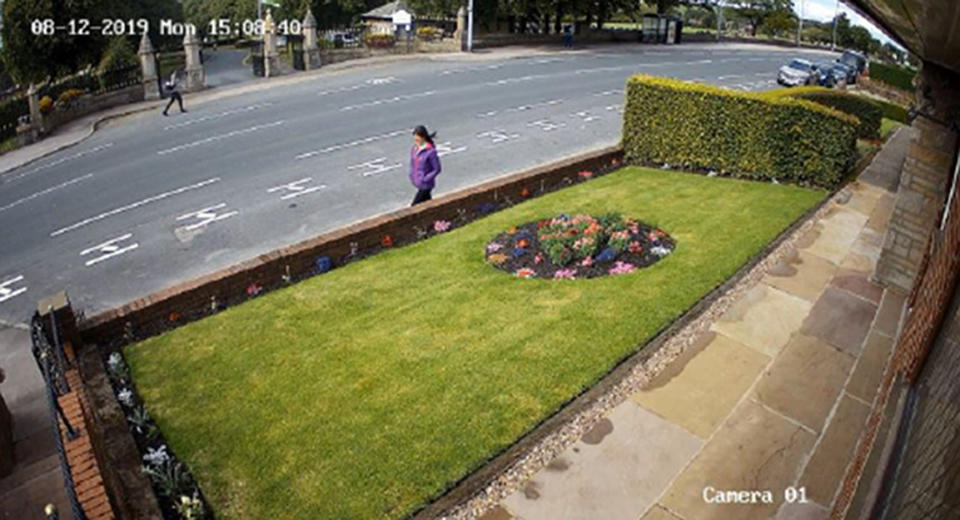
53 364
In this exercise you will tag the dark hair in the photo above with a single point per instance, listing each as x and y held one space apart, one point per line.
424 134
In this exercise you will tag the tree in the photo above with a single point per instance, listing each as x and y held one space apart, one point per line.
755 11
779 22
663 6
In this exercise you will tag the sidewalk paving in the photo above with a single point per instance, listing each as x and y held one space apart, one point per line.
773 396
36 479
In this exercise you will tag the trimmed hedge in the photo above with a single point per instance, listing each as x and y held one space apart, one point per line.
893 111
893 75
866 110
746 135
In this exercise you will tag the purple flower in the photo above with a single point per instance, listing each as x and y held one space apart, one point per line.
569 274
621 268
493 247
518 252
607 255
441 226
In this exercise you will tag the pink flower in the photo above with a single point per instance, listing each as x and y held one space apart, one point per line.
635 247
585 174
587 262
569 274
621 268
538 259
526 272
441 226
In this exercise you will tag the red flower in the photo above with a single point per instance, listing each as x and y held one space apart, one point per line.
386 241
525 193
635 247
585 174
173 316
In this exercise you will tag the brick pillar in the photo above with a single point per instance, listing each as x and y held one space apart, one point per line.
923 183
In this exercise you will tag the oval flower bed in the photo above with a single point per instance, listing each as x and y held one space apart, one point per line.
581 246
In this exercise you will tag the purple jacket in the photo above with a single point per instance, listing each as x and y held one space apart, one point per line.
424 167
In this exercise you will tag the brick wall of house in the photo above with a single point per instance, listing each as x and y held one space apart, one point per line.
919 254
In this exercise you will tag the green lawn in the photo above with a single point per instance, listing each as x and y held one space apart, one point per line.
365 392
887 127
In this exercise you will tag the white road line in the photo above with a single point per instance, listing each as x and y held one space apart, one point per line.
219 137
297 188
135 205
497 136
546 125
609 92
59 161
217 116
351 144
6 292
385 101
446 148
205 216
44 192
372 82
109 249
374 167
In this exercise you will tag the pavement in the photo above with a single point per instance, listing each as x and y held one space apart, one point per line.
36 479
146 202
772 399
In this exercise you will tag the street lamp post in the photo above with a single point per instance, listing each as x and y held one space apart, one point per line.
470 26
800 25
836 12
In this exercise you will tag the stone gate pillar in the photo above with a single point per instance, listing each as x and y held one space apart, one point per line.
194 68
269 45
311 51
148 68
461 34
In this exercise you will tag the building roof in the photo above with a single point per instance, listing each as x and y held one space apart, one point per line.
386 11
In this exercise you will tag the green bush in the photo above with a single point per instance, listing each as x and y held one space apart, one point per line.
868 112
893 111
893 75
745 135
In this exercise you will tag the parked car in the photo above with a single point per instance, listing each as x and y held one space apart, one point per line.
855 61
797 72
850 73
342 39
831 75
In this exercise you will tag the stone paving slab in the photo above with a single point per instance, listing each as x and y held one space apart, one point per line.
841 319
763 319
755 449
833 237
832 455
888 315
869 370
858 283
614 472
805 381
797 511
801 274
699 393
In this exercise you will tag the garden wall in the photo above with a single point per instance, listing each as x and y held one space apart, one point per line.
89 103
192 300
330 56
746 135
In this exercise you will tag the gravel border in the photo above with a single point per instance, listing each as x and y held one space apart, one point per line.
646 364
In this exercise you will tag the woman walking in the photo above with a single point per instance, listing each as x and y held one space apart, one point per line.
173 87
424 164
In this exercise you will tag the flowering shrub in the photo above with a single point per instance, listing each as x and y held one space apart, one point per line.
585 174
441 226
324 264
386 241
380 40
253 289
578 246
46 104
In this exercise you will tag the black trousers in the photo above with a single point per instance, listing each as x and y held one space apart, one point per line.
422 196
174 96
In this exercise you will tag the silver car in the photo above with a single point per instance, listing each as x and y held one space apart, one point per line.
797 72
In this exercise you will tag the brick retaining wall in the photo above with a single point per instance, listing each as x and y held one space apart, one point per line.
159 311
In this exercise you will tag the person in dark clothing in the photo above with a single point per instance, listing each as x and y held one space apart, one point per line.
424 164
568 37
173 87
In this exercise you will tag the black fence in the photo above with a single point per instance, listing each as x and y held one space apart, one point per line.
923 480
53 364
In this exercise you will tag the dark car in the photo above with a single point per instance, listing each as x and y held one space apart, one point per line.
854 60
823 75
849 73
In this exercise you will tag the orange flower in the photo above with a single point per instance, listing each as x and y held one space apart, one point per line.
173 316
523 242
512 230
525 193
386 241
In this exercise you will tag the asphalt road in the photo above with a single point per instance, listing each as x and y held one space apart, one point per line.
151 201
